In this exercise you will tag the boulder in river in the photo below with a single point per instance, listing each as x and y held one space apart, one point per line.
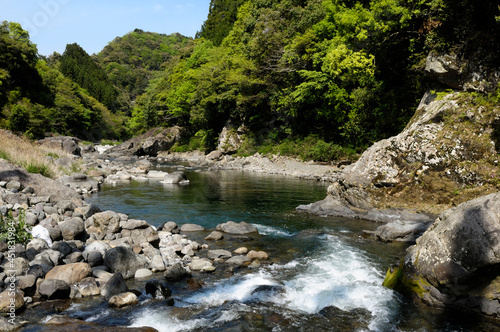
232 227
124 261
455 263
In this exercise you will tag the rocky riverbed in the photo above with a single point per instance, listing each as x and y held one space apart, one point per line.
79 251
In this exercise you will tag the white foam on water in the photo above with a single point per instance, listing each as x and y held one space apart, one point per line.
343 277
165 322
338 275
269 230
233 290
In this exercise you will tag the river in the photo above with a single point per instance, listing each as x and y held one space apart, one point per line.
323 273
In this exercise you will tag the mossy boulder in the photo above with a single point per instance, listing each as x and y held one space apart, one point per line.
456 262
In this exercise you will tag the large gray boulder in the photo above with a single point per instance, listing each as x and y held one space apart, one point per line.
123 260
456 261
149 143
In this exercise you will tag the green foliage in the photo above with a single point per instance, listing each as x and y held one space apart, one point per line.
15 230
133 60
76 64
42 169
221 17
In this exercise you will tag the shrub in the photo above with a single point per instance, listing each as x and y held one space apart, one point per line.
15 231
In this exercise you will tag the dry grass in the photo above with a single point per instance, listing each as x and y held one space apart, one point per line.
31 156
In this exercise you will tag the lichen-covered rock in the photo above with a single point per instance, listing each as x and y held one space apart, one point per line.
446 155
456 261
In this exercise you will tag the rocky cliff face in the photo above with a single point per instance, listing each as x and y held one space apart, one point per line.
446 155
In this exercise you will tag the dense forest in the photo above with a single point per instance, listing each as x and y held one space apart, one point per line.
325 76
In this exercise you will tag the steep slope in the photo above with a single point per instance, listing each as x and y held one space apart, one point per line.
446 155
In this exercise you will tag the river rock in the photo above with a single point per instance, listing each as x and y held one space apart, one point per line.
175 178
171 227
53 289
399 231
27 284
143 274
132 224
455 262
88 287
232 227
192 228
201 264
241 251
175 273
123 300
124 261
19 266
73 229
215 236
103 223
219 253
70 273
48 257
37 244
115 285
63 247
257 255
157 290
88 210
238 260
99 246
16 185
93 258
157 263
6 302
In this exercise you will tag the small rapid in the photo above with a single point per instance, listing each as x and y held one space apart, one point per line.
335 275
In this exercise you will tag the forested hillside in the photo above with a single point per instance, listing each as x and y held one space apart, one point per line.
316 78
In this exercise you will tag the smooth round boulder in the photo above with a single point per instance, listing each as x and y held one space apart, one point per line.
70 273
123 300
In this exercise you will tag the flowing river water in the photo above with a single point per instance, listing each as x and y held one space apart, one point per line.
322 275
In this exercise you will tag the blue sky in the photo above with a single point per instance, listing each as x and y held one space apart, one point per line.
94 23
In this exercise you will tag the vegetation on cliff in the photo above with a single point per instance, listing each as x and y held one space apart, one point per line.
339 73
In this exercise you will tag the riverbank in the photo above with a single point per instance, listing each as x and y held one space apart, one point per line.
79 251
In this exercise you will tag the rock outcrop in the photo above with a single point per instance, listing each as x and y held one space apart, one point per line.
446 155
455 263
149 143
